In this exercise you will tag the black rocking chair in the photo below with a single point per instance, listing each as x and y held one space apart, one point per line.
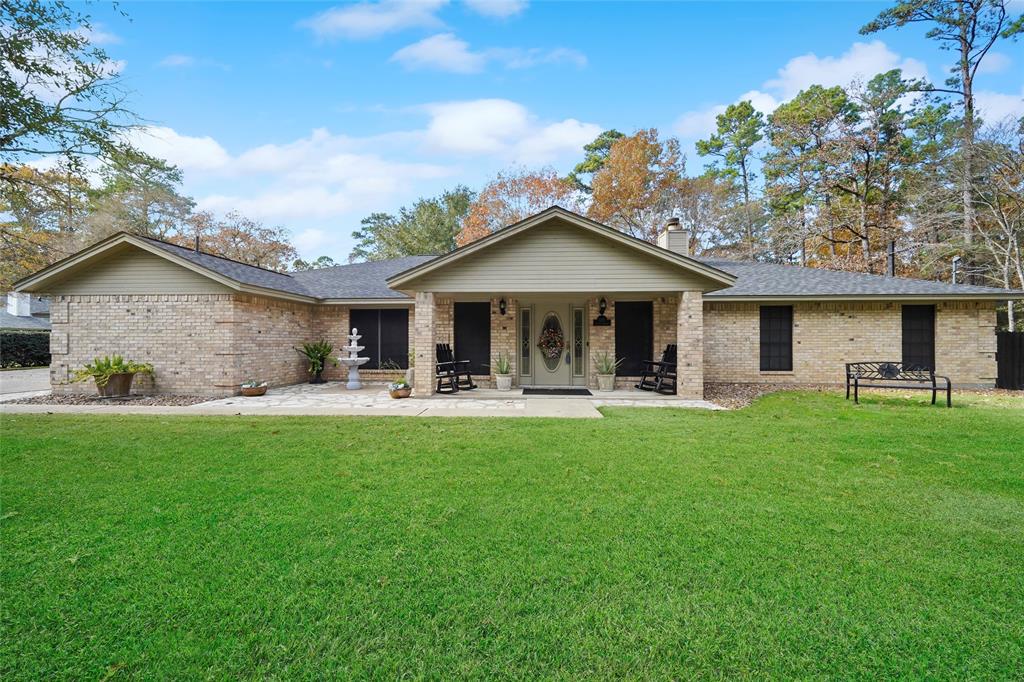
660 376
452 375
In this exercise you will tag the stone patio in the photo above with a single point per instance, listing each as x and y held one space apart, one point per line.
333 398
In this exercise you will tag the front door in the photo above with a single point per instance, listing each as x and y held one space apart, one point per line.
558 344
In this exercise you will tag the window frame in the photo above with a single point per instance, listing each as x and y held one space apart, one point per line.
376 333
776 338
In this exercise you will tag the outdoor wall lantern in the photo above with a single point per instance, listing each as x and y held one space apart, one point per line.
502 307
601 320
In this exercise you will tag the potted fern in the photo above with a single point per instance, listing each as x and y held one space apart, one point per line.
606 364
503 372
113 375
317 353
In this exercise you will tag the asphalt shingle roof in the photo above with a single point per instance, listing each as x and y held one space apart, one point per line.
358 280
369 280
768 279
240 272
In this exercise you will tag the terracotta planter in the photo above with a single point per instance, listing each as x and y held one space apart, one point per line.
119 386
503 382
606 383
400 392
253 391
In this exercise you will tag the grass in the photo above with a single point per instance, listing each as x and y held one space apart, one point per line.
801 537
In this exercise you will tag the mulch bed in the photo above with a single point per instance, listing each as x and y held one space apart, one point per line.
735 396
139 400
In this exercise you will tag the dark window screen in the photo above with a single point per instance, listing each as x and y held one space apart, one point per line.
634 335
473 335
919 337
385 334
776 338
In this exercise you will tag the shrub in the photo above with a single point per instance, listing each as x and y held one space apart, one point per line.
24 349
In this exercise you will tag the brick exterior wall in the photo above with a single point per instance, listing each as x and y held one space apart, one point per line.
504 335
182 335
827 335
207 344
602 339
265 334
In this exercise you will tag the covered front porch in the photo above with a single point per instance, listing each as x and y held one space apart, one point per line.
554 296
557 340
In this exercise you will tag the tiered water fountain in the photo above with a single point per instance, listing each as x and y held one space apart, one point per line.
353 361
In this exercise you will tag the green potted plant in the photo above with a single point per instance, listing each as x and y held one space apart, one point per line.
253 388
400 386
317 353
503 372
606 364
113 375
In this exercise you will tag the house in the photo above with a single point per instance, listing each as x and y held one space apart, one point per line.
207 323
25 312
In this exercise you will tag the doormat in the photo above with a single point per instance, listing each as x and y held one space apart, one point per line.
556 391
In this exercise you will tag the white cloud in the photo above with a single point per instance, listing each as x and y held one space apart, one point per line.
501 9
284 204
446 52
861 62
480 126
370 20
995 62
555 140
184 151
310 240
322 183
443 52
97 35
502 128
173 60
995 107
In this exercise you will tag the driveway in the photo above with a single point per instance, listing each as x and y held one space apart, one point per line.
18 383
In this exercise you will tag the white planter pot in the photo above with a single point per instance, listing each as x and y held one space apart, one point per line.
504 381
606 382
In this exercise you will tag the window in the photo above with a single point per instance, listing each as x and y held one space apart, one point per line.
634 335
776 338
473 335
578 329
919 337
524 341
385 333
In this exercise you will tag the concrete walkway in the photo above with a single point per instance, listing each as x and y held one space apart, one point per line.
24 383
333 399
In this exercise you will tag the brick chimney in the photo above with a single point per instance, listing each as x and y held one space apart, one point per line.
674 237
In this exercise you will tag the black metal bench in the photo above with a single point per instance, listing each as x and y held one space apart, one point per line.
898 375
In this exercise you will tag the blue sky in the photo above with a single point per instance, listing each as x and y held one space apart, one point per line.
313 115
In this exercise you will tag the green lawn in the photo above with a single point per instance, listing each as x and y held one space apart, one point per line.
801 537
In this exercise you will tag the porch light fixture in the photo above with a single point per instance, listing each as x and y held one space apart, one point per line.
602 305
502 306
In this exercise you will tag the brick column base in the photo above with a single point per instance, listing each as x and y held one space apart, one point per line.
423 345
690 342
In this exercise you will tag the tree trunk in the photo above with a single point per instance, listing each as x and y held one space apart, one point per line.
746 210
968 152
865 241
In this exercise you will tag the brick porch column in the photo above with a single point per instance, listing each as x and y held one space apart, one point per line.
690 342
423 342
